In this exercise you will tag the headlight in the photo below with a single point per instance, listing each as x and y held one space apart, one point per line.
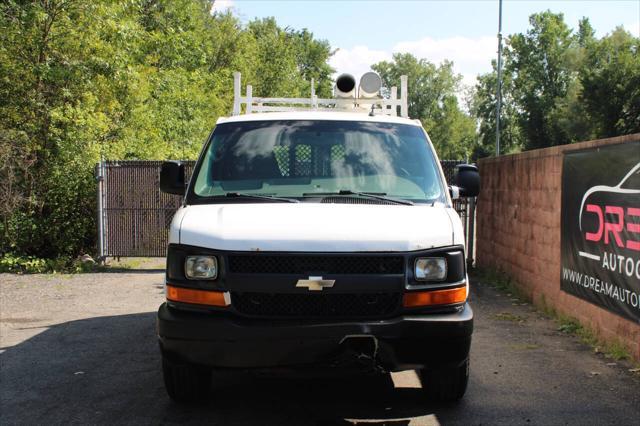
431 269
201 267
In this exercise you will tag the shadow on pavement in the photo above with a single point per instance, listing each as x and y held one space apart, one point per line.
107 370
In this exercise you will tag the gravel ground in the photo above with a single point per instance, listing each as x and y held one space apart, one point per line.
81 349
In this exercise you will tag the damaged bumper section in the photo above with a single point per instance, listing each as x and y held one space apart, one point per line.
404 342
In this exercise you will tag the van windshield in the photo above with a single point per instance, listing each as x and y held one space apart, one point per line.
299 159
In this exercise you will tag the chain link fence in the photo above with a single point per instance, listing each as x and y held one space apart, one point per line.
134 215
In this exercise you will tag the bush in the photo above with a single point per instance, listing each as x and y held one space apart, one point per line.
34 265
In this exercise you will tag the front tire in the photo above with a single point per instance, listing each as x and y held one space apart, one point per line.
185 382
445 384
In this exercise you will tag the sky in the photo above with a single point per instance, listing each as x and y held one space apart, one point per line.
465 31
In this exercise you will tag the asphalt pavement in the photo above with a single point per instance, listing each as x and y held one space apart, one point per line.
82 349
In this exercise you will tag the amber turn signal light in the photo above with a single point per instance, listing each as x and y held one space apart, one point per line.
435 297
198 297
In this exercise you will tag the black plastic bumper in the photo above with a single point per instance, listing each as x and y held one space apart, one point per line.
405 342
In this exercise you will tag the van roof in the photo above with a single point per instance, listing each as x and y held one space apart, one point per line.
318 115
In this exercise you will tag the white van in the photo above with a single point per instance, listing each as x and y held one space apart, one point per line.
319 239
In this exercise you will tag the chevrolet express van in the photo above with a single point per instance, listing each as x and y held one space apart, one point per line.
321 239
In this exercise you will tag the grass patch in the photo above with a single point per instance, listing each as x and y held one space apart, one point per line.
138 263
618 351
16 264
33 265
128 264
612 349
548 310
572 326
501 281
568 325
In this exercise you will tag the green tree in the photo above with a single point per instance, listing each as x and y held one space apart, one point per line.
433 99
311 58
538 60
483 107
276 69
561 87
610 79
287 60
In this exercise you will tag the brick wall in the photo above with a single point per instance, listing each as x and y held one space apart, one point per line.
518 232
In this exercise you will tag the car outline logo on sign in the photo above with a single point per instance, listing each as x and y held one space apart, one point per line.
315 283
604 226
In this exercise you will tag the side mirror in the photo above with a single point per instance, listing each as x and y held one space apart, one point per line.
467 181
172 178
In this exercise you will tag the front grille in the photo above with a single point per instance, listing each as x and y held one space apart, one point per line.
270 264
367 305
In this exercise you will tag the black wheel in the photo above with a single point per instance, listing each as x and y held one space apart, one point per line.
185 382
445 384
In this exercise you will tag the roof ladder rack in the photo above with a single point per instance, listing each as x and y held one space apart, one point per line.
378 105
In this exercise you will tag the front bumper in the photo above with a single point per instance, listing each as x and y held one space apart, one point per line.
401 343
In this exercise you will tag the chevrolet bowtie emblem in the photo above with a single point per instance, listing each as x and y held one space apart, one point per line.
315 283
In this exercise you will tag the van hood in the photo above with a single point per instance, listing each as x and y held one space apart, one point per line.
315 227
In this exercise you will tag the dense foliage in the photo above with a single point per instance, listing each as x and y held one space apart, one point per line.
143 79
147 79
561 86
433 100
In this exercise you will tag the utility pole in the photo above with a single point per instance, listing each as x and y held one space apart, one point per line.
499 83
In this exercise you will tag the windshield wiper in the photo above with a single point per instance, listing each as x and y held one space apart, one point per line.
257 197
374 195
